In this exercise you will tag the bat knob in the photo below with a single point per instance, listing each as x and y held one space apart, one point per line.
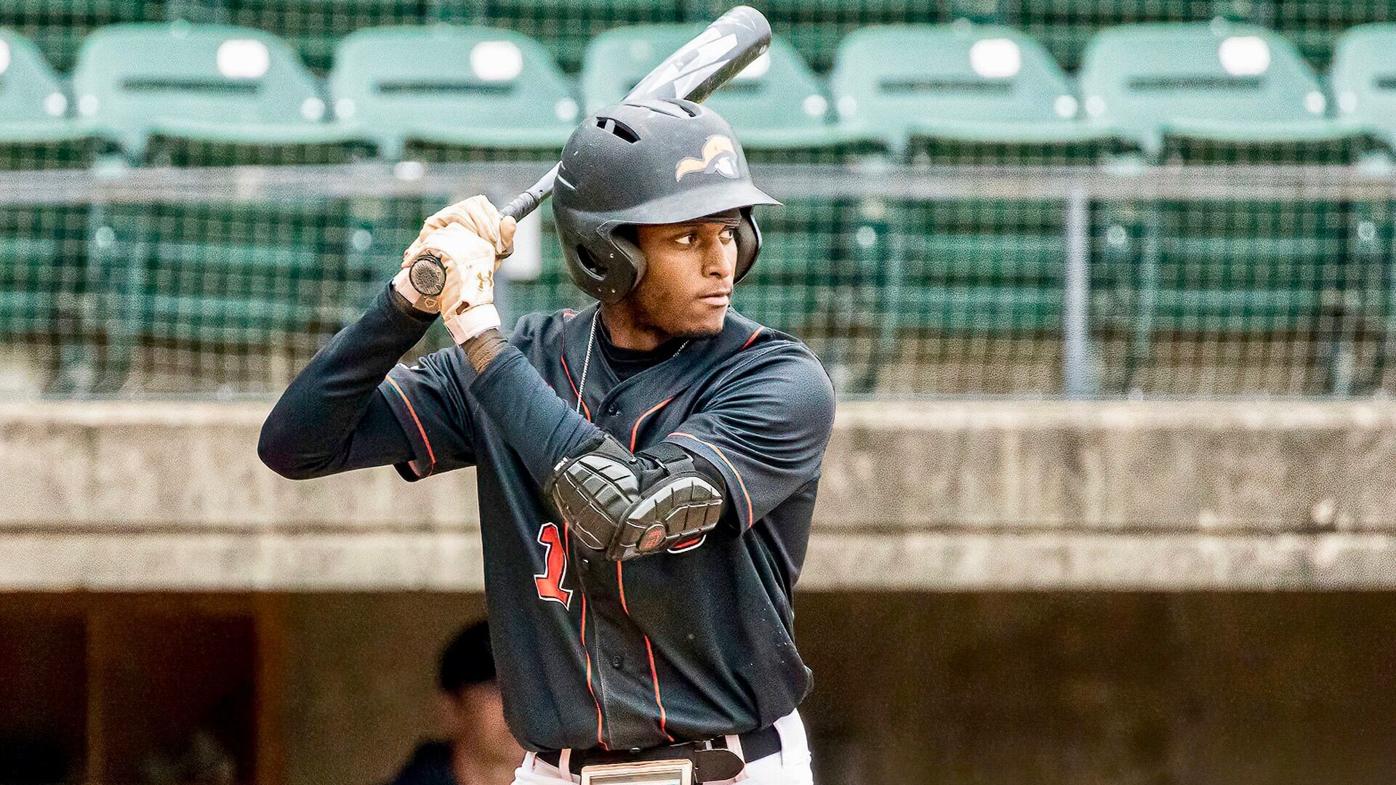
427 275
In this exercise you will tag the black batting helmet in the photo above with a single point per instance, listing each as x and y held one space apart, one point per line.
647 162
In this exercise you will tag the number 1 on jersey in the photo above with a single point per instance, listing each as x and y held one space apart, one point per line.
549 584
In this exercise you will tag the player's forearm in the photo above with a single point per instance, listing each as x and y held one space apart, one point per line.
539 425
311 430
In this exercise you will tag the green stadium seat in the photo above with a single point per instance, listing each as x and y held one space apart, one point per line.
30 90
507 94
205 94
314 27
815 27
36 131
975 84
1363 80
1065 26
1226 84
567 26
1315 25
59 26
1216 271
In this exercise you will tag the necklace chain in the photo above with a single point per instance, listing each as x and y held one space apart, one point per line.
586 363
586 360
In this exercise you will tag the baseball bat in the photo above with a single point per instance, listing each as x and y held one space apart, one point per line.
693 72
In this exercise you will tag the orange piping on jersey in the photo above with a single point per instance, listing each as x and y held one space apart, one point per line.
752 337
585 409
635 430
735 473
431 454
620 584
591 689
649 649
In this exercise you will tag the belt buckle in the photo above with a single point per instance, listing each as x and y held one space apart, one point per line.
650 772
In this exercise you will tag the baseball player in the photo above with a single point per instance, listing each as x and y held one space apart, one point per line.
646 466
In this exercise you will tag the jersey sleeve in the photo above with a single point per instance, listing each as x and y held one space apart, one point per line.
429 403
764 429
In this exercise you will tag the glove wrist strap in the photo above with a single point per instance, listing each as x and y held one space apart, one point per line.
472 322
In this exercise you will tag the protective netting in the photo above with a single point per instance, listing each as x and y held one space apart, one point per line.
934 280
1117 227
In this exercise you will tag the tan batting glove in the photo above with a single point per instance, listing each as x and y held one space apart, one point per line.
470 240
477 215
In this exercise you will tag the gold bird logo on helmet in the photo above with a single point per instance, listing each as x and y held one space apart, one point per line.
719 156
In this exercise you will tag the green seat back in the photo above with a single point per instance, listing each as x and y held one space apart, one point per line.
29 88
1065 26
1363 77
35 129
391 80
778 90
887 78
130 77
567 26
58 27
315 27
1138 78
815 27
1315 25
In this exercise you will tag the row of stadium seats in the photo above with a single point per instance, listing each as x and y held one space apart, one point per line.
199 92
814 26
189 274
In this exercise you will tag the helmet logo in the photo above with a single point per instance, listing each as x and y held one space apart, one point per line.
719 156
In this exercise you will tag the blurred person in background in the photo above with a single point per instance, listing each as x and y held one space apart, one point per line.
478 748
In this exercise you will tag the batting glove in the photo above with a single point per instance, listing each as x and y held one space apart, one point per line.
465 243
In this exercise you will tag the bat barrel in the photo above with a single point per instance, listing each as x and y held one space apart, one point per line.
704 64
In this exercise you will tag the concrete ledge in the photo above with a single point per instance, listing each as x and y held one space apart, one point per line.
1161 466
944 495
836 562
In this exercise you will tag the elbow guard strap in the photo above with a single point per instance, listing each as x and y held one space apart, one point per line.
623 505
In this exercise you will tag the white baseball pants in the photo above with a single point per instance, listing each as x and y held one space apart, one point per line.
790 766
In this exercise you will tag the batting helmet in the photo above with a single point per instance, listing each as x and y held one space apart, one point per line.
647 162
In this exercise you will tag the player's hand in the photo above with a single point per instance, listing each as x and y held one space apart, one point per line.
467 299
470 239
476 215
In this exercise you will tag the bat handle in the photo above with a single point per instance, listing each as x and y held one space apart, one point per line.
528 201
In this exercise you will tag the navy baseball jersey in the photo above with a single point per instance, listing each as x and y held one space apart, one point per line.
688 644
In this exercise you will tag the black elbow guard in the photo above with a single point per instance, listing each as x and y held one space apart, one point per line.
627 506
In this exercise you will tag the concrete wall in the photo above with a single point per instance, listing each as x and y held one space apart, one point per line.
984 495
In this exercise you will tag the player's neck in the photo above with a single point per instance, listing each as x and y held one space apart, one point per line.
629 332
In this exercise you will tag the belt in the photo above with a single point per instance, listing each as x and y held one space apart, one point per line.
711 763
